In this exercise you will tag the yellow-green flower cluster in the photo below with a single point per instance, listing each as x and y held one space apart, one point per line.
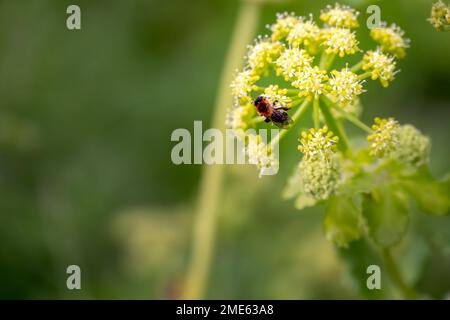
339 41
260 154
440 16
345 87
310 81
285 23
381 66
262 54
274 93
340 16
292 61
413 147
243 83
238 117
318 144
319 177
305 32
391 39
384 139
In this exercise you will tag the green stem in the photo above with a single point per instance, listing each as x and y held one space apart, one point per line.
395 275
357 66
334 126
316 114
351 118
204 224
326 60
365 75
297 115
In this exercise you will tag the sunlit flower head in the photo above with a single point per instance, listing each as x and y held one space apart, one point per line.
305 32
274 93
292 61
263 53
260 154
237 117
285 23
385 137
345 87
243 83
440 16
340 16
310 82
381 66
413 147
339 41
319 177
317 144
391 39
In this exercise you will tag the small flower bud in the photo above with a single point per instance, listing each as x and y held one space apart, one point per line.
319 177
413 147
340 16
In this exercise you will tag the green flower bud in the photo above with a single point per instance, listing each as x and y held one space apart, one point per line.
319 177
413 147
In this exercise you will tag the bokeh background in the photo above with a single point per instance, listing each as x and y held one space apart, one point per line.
85 170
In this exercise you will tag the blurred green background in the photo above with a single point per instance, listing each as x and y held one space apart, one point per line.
85 170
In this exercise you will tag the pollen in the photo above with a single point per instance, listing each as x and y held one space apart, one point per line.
339 41
345 87
292 61
311 82
391 39
384 140
380 65
340 16
318 144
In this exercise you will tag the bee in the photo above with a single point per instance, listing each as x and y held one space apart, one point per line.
272 112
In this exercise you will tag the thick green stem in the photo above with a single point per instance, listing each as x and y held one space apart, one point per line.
357 66
334 126
297 115
204 225
365 75
395 275
326 60
316 114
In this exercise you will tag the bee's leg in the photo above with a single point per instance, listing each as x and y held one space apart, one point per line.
282 108
267 120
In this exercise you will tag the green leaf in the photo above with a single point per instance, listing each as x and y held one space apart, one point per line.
358 256
342 222
386 211
432 196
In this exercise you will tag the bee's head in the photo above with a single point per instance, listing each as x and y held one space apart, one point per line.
258 100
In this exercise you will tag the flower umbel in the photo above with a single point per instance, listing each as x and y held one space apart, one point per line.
304 32
292 61
340 16
285 23
345 86
440 16
243 83
339 41
391 39
318 144
385 138
310 82
380 65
